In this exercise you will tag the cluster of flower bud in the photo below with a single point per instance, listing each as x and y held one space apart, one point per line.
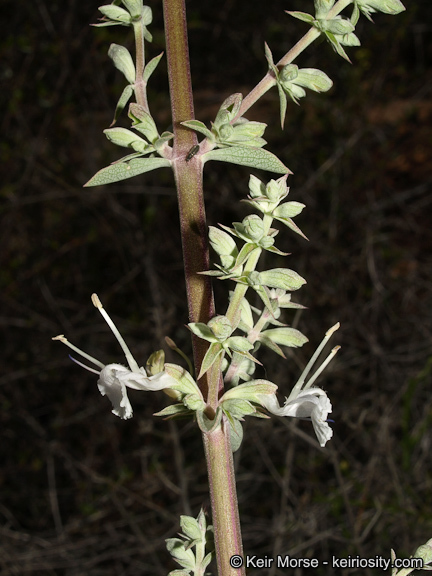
195 534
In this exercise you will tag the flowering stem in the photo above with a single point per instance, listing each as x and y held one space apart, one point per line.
269 79
189 183
188 177
223 499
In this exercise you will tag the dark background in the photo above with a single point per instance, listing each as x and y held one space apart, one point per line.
82 492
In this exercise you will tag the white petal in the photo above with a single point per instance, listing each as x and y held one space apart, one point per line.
109 384
319 417
312 403
140 380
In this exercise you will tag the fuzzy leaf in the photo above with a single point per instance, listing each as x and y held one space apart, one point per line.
212 353
173 410
272 345
282 278
301 16
123 137
249 390
202 331
115 13
122 101
143 122
239 344
313 79
288 210
236 437
124 170
199 127
185 383
186 558
190 527
338 26
248 156
286 337
386 6
135 7
151 67
336 45
123 61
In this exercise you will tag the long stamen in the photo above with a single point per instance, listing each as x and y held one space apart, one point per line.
83 365
323 366
300 381
130 359
80 352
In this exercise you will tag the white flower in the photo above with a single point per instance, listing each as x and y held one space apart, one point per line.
306 401
115 378
312 403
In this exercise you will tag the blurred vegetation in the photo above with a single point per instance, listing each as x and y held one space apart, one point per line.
82 492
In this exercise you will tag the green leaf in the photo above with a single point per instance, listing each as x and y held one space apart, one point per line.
186 558
288 210
282 278
134 7
228 110
173 410
146 14
124 170
349 40
212 353
323 7
222 243
301 16
336 45
161 142
338 26
236 437
237 408
123 61
313 79
123 137
202 331
185 383
238 344
115 13
245 253
249 390
143 122
190 527
199 127
247 156
283 104
272 345
151 67
122 101
387 6
286 337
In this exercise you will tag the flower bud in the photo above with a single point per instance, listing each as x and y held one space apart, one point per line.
225 131
288 73
221 327
253 227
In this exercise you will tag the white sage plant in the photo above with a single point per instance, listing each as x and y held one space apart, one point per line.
225 345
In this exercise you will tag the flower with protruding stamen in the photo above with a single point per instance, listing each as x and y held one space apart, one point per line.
115 378
312 403
304 400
